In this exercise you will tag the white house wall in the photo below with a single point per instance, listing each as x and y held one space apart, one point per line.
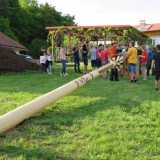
16 50
155 36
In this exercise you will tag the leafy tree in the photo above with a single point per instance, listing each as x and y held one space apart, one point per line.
5 28
35 47
27 20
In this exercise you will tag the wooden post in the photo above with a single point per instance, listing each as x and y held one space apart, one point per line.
138 70
52 46
104 41
126 73
97 42
69 45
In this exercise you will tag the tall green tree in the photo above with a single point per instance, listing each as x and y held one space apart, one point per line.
5 28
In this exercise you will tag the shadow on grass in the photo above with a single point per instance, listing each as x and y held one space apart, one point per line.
14 151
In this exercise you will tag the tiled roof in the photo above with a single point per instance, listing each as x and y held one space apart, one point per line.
5 41
153 27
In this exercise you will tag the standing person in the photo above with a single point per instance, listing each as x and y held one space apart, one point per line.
63 59
98 58
113 54
75 52
92 53
43 59
119 48
84 56
104 58
150 56
124 51
143 62
49 57
132 57
156 61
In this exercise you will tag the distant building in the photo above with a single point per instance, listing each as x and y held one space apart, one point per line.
152 30
7 42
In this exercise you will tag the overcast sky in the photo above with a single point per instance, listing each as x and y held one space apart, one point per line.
109 12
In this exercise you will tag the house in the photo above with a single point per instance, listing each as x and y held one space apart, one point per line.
151 30
7 42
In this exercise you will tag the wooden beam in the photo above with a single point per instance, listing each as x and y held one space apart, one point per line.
152 33
52 46
104 41
69 45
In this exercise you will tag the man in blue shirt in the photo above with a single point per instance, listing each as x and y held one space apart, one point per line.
150 56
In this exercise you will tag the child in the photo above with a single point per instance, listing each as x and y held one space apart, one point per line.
49 57
43 58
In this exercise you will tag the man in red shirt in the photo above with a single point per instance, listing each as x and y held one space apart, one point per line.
104 58
98 58
112 53
143 62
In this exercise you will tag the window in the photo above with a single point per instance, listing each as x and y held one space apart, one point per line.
149 41
153 42
157 41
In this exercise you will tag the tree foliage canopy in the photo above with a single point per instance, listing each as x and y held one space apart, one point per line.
25 20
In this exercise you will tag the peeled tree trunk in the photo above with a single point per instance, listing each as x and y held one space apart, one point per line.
16 116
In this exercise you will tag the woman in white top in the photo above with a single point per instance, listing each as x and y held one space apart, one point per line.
49 58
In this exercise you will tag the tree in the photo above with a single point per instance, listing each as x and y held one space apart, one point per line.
5 28
35 47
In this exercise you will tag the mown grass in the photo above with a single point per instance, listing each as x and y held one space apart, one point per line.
101 120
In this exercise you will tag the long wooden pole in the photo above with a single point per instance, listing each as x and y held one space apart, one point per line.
11 119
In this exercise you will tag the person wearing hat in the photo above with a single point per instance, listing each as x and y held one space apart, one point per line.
150 56
113 54
98 58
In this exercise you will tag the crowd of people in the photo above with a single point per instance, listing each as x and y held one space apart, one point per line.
100 57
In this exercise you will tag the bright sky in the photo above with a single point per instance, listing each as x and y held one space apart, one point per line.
109 12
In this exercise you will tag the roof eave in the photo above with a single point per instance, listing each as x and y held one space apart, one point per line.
151 31
77 27
21 49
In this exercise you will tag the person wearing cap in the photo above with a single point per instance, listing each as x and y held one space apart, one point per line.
98 58
132 58
113 54
150 56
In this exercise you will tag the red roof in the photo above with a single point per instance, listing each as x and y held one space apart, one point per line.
5 41
76 27
151 27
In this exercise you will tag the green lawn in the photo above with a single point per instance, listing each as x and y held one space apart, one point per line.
101 120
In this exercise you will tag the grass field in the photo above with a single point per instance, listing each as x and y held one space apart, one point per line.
101 120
